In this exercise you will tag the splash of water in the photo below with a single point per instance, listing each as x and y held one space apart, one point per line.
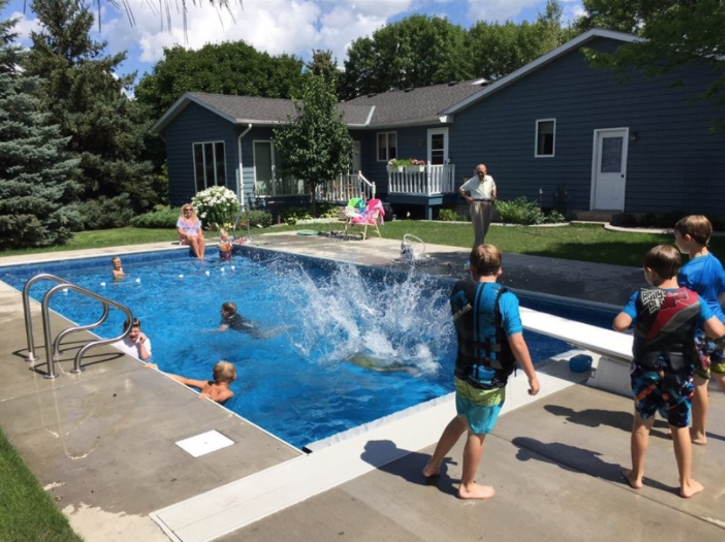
395 322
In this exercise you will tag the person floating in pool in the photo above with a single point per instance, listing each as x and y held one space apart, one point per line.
117 268
366 360
231 319
217 390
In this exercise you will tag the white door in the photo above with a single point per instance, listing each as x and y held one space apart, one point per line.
355 157
437 146
609 166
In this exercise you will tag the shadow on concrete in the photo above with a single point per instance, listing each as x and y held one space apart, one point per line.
593 417
408 465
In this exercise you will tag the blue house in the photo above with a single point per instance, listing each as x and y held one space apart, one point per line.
554 125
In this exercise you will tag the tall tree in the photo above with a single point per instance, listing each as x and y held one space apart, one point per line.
316 146
35 169
225 68
323 64
415 52
675 34
80 88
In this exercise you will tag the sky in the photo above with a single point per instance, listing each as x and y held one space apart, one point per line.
294 27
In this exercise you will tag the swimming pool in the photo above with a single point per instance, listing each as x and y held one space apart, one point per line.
298 383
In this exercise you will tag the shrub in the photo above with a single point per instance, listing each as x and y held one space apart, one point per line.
525 212
216 206
262 219
448 215
163 217
292 214
105 213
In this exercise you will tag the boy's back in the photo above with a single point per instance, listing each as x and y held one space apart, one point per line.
705 275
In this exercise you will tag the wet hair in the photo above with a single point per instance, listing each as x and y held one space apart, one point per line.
188 206
229 307
486 260
224 372
696 226
115 259
134 323
663 260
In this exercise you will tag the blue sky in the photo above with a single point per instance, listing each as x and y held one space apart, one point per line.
276 26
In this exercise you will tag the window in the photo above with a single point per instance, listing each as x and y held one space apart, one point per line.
271 178
387 146
209 165
545 132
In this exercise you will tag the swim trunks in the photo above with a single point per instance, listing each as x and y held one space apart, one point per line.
480 407
670 393
711 359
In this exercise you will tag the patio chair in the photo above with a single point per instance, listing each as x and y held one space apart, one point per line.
372 216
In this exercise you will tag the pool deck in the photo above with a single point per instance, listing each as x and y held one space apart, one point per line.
103 444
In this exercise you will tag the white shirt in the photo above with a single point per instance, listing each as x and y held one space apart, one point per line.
480 189
131 348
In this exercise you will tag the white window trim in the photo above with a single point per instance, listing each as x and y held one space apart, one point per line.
193 156
536 139
387 145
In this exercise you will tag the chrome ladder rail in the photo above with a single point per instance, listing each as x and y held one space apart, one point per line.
52 354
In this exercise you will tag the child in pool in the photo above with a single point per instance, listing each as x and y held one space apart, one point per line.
225 246
117 268
218 389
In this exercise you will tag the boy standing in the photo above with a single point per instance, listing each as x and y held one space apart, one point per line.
490 341
664 360
703 274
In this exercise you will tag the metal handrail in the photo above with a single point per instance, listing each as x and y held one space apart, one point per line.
242 210
53 353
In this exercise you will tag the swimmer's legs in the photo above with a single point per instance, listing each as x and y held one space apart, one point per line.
472 453
683 453
639 445
453 431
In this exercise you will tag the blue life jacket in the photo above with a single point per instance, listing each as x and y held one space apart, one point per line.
666 325
484 357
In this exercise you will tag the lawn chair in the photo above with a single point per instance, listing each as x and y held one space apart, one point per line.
354 209
372 216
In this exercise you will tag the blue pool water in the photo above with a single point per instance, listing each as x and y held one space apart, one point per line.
298 383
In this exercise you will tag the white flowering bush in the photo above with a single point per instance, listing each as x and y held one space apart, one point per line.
216 206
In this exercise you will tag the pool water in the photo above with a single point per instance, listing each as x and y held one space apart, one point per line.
297 382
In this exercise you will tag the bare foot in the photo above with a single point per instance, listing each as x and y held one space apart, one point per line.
634 483
698 438
688 490
474 491
429 471
151 366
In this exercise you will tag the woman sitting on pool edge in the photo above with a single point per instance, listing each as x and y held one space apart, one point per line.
189 228
217 390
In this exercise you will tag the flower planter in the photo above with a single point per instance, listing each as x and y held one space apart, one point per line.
395 169
415 169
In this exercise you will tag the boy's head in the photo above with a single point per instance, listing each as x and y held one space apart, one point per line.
664 261
486 261
116 262
223 233
229 308
225 372
698 227
135 328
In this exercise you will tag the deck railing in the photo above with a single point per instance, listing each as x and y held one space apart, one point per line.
425 180
345 187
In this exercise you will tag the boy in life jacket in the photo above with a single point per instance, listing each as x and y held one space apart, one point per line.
490 341
664 358
704 274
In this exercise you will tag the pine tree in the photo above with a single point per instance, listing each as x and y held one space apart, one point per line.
35 169
85 97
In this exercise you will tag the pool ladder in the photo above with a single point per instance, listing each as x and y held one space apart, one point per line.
53 354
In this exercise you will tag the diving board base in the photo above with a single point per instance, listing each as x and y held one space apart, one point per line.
612 376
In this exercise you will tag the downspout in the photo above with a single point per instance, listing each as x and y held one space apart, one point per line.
240 180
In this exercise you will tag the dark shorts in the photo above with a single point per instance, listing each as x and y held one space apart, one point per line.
711 360
670 393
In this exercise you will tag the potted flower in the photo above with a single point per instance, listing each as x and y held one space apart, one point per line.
397 165
416 166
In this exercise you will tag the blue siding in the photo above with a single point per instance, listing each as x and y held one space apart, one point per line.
675 164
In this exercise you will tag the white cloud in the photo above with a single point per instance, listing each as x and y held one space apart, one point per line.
24 26
497 10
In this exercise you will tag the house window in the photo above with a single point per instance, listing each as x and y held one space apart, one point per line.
387 146
209 165
545 132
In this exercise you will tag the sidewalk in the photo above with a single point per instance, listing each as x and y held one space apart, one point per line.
103 444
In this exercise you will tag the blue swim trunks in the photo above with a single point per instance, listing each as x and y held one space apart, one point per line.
480 407
711 360
668 392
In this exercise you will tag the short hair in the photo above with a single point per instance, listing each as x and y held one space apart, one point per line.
229 307
696 226
486 260
663 260
134 323
115 259
224 372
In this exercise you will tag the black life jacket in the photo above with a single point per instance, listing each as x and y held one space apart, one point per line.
482 343
666 325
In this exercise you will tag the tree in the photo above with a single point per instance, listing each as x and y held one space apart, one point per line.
80 89
415 52
316 146
233 68
675 34
35 169
323 64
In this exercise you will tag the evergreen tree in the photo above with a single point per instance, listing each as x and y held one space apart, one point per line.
85 97
316 146
35 169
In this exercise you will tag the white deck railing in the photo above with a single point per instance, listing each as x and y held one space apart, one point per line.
344 188
426 180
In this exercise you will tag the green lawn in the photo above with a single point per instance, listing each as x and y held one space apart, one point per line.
28 512
590 243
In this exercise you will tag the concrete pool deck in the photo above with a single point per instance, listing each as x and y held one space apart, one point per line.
103 442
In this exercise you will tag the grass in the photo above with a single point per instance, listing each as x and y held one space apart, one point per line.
28 512
590 243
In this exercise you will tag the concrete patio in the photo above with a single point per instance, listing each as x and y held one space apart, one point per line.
103 442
